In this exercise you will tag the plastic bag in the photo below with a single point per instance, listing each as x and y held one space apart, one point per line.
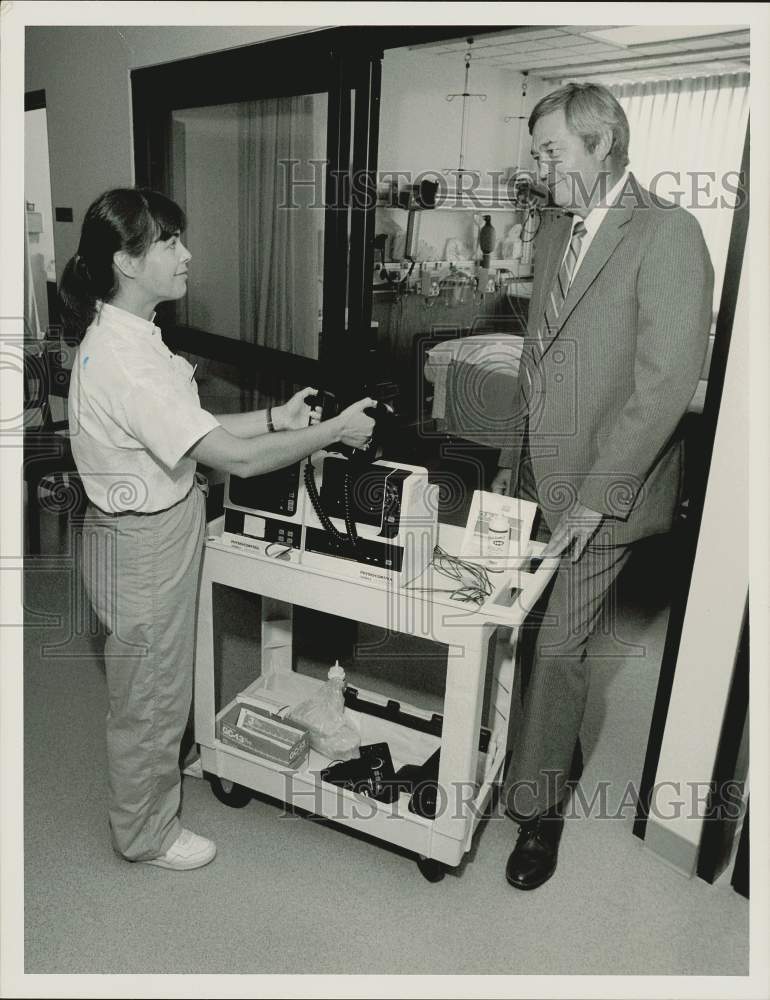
323 716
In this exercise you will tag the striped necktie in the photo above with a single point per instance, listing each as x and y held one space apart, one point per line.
558 293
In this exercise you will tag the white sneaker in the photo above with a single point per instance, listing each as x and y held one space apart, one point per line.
188 851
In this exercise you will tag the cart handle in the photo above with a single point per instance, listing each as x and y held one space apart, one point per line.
526 599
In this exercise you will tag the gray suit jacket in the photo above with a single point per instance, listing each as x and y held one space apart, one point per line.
604 400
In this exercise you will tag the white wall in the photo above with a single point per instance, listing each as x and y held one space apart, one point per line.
85 72
420 129
37 192
420 132
712 624
37 184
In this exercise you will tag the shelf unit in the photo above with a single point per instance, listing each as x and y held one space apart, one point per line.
415 211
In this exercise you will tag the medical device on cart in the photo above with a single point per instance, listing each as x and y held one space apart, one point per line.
342 511
368 521
264 514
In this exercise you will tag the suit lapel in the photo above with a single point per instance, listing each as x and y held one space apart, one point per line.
552 249
555 248
609 234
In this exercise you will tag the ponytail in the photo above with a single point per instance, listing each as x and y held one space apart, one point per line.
77 298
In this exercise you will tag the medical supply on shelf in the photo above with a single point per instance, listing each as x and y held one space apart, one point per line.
331 733
254 728
498 535
471 582
371 774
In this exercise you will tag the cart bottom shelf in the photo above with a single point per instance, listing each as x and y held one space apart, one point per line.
443 839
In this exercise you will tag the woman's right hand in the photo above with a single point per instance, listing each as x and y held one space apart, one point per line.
355 426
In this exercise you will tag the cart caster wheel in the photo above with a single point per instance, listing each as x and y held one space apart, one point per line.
431 869
229 793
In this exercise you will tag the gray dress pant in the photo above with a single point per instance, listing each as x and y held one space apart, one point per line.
553 668
141 572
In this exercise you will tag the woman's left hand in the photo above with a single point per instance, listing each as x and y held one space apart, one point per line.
295 414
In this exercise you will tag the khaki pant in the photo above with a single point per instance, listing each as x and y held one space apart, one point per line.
141 572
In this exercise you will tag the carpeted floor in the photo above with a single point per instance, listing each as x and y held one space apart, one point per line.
295 895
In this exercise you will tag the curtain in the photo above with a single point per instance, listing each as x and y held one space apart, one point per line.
278 243
257 261
689 127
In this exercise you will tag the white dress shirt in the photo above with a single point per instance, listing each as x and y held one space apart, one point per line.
134 413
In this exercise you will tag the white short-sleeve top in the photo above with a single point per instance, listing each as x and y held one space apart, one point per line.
134 413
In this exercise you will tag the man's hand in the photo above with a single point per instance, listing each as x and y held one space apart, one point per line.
295 414
577 526
502 482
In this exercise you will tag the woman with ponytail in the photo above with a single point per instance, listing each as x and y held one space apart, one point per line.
137 431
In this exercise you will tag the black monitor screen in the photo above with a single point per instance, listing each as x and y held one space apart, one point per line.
274 492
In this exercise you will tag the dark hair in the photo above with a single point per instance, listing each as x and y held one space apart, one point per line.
127 219
588 109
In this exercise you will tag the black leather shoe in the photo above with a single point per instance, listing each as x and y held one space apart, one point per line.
533 860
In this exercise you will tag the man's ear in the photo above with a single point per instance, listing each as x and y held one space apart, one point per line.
604 145
125 263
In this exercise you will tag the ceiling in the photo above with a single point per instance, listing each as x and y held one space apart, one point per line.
608 52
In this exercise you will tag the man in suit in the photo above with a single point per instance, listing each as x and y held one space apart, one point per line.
617 334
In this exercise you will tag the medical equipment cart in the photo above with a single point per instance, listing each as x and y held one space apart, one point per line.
472 755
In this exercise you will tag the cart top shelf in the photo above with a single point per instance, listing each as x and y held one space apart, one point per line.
514 594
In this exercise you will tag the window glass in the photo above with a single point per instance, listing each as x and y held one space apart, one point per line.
251 179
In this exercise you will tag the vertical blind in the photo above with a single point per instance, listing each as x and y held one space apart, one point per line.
687 139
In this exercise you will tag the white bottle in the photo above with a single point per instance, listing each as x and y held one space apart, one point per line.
336 673
341 738
498 536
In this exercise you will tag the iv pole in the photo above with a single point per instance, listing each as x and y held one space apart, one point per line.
524 194
519 118
465 115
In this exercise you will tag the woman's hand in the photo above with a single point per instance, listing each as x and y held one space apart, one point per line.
355 426
295 414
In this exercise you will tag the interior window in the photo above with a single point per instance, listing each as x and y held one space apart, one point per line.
250 176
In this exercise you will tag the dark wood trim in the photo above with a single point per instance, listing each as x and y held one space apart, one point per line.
721 809
260 70
338 135
34 100
701 461
740 880
365 149
302 63
295 64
